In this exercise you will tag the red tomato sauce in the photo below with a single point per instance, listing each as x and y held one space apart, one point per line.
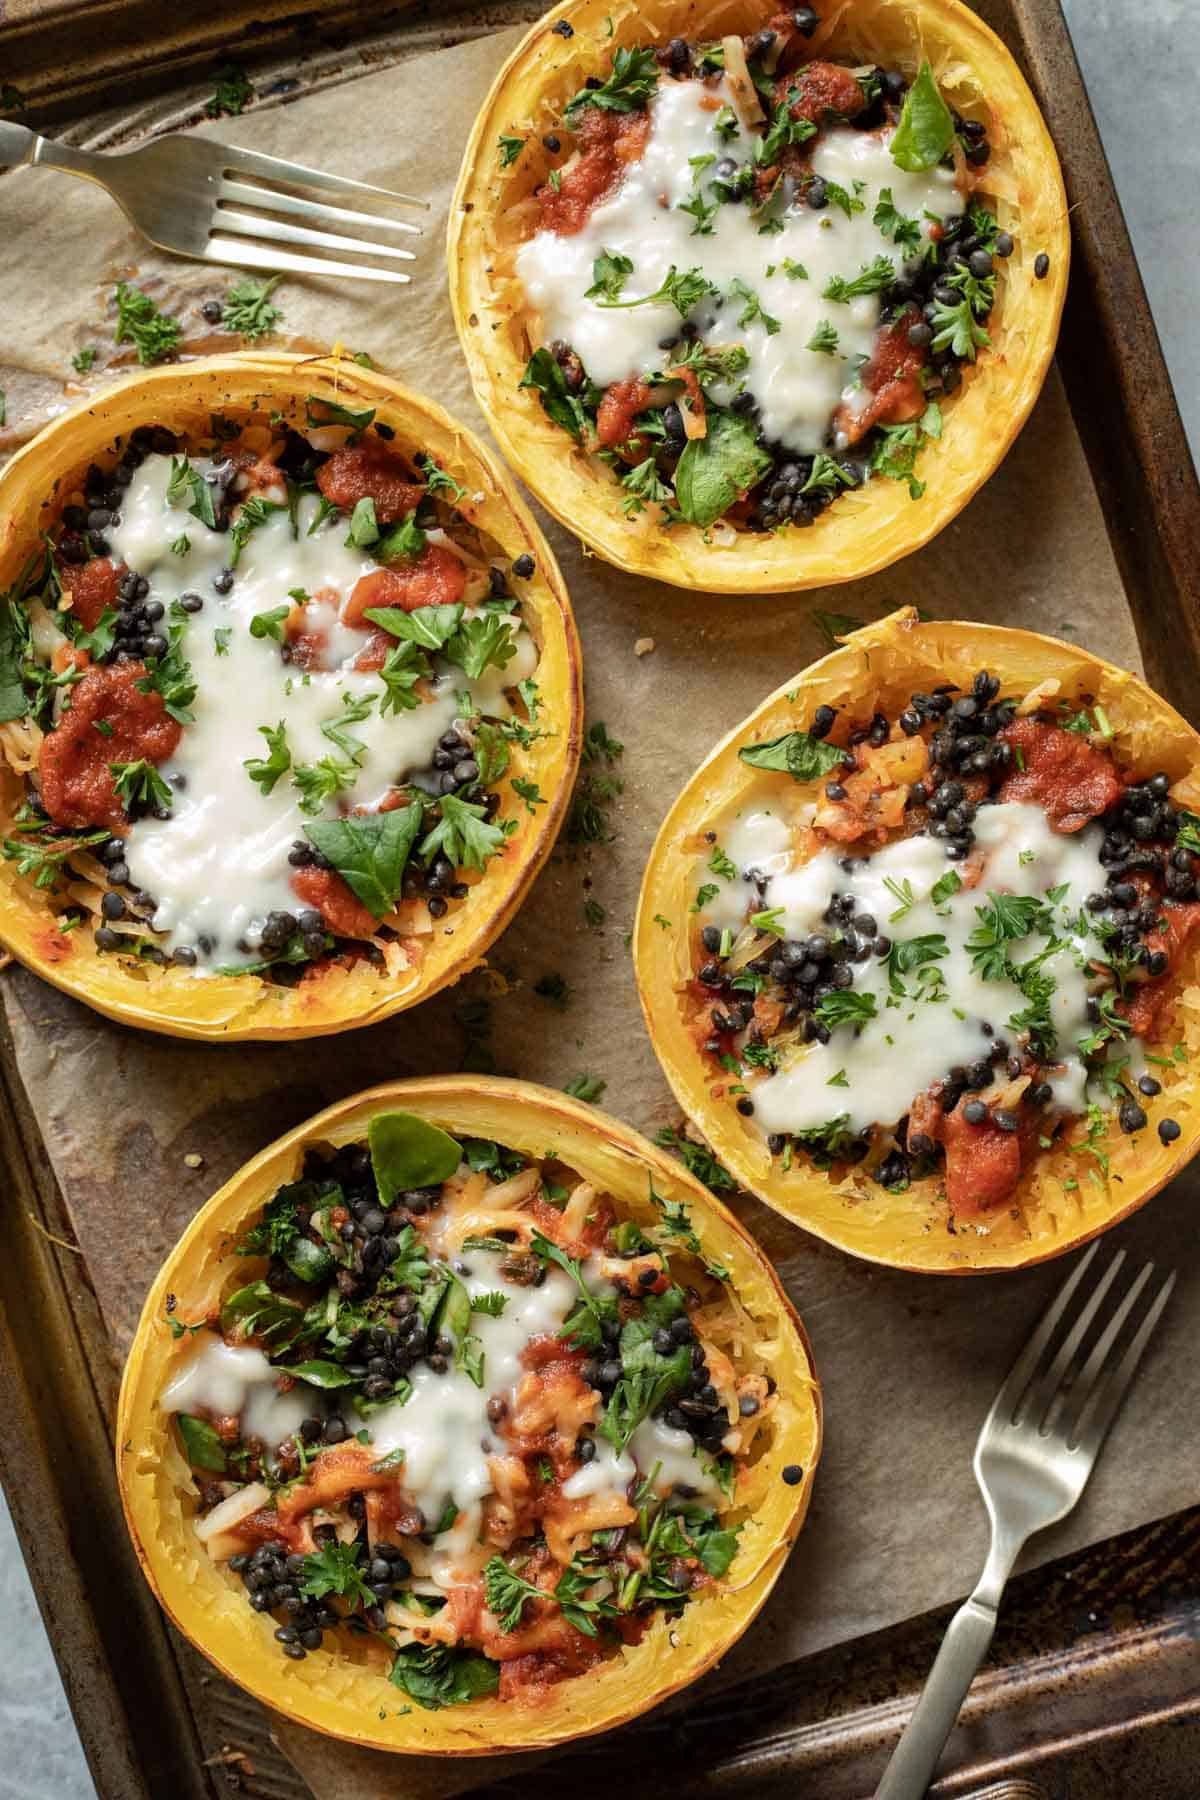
608 143
326 892
370 472
524 1677
93 588
436 578
818 90
77 788
1067 777
693 397
983 1162
892 379
621 404
307 649
375 652
1150 1006
550 1352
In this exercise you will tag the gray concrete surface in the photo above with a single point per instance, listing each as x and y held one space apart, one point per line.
1139 62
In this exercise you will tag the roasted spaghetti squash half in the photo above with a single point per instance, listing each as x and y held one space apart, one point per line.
918 944
463 1420
756 299
289 699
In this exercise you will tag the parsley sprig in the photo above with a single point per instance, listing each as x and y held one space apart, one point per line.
248 309
682 290
140 323
634 78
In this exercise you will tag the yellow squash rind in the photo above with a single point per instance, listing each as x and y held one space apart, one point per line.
880 666
352 1700
864 531
232 1008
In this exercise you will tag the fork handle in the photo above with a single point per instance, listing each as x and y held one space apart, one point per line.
915 1757
19 145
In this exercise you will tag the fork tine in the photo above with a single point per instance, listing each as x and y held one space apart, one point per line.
1043 1394
274 168
278 231
1103 1392
274 201
244 254
1004 1406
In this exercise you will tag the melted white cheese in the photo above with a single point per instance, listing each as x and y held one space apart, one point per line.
230 1382
757 844
797 389
443 1428
872 1074
219 864
656 1446
610 1471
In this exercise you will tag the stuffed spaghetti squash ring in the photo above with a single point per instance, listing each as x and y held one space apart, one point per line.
867 239
918 944
290 691
550 1434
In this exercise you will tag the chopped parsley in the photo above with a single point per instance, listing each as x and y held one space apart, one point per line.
683 291
845 1007
42 857
585 1087
232 92
904 232
184 481
139 322
609 272
253 513
835 626
895 454
634 78
908 955
945 887
464 834
506 1593
267 770
902 892
848 203
873 279
956 328
270 624
139 784
248 309
698 1159
753 312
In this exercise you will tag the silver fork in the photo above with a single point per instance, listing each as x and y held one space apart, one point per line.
1038 1446
215 203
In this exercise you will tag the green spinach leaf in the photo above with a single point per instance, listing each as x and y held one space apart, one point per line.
926 128
408 1152
718 468
370 851
796 754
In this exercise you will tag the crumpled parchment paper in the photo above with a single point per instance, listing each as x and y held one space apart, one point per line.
909 1365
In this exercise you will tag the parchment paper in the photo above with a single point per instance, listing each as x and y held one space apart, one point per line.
909 1365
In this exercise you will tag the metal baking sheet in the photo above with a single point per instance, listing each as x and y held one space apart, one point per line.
114 1191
